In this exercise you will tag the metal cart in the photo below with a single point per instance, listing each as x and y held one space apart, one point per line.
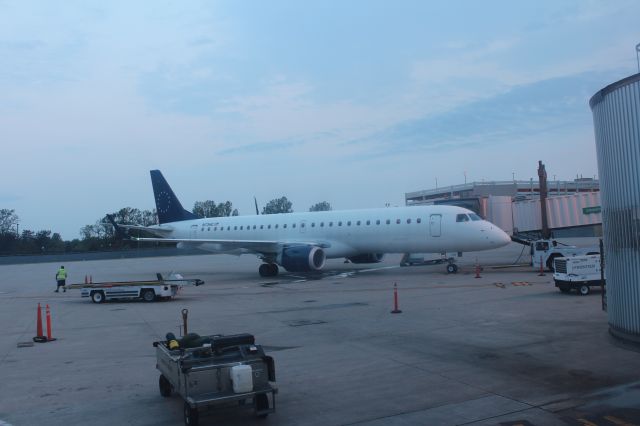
222 369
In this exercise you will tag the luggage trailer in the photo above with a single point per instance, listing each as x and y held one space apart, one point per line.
230 369
146 290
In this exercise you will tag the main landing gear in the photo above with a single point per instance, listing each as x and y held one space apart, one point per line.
268 270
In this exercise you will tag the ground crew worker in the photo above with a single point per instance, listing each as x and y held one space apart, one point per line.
61 278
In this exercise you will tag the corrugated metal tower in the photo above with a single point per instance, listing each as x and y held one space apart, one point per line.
616 118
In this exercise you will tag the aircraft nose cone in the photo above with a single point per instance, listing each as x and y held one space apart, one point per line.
501 237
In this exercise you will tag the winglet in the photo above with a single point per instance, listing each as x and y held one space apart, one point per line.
167 204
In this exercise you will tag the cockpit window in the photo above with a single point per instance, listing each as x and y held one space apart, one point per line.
474 216
462 218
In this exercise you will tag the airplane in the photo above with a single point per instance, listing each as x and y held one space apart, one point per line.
301 242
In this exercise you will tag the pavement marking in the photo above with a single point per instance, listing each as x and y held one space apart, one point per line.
586 422
618 421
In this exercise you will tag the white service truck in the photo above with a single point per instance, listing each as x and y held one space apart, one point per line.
577 272
148 291
547 251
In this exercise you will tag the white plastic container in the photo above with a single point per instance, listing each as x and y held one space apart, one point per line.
242 378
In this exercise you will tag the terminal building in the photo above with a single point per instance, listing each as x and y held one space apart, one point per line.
573 207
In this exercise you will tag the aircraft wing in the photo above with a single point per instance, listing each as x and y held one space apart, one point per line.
256 246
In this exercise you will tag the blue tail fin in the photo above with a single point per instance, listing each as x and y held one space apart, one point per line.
167 204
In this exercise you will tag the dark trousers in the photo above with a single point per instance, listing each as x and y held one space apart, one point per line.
61 283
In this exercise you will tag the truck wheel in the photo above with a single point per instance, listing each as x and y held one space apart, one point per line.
148 295
165 386
584 290
262 403
452 268
190 415
564 288
97 297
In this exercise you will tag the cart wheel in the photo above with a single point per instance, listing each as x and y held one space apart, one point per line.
262 403
584 290
190 415
97 297
148 295
165 386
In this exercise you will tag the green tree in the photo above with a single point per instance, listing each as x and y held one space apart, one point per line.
209 208
322 206
8 220
278 205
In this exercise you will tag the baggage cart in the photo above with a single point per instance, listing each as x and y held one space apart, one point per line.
218 370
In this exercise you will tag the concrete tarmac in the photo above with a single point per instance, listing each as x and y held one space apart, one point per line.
504 349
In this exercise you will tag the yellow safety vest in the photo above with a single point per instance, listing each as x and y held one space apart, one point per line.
62 274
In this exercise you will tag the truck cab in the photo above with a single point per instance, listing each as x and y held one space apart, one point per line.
545 252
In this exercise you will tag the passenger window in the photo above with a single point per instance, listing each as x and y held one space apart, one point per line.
208 229
321 224
358 223
397 221
293 226
276 226
241 228
340 223
268 226
284 226
418 220
349 223
388 221
235 228
215 228
302 225
330 223
261 226
378 222
368 222
408 220
254 227
228 228
313 224
462 218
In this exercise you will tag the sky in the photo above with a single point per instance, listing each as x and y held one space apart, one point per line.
354 103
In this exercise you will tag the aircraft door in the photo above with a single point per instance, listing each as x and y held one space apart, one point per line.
193 233
435 225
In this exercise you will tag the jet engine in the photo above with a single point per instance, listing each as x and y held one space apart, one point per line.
367 258
302 258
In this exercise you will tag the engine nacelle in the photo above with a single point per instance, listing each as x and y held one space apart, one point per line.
302 258
367 258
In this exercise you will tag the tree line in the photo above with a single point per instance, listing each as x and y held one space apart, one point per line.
102 236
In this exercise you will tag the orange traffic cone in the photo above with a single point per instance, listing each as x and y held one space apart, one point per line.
39 336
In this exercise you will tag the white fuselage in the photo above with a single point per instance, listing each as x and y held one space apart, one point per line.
420 229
